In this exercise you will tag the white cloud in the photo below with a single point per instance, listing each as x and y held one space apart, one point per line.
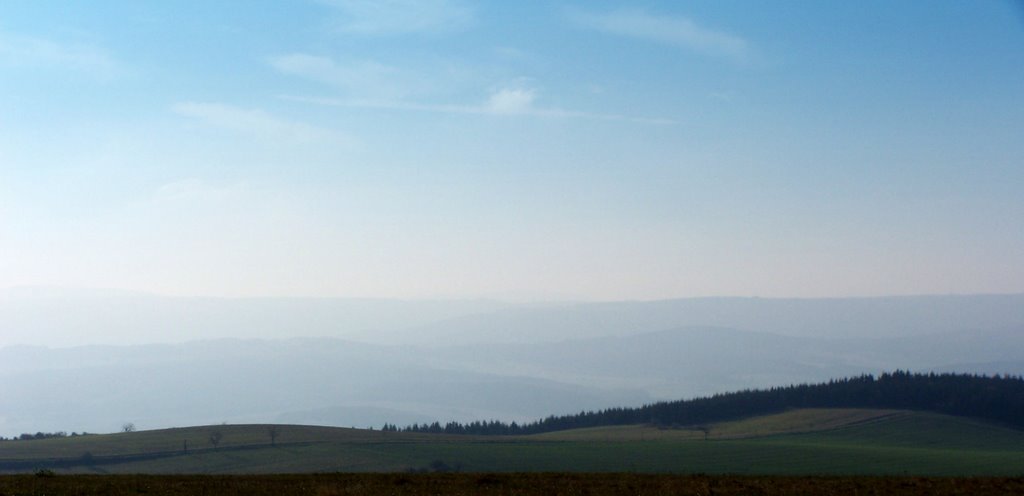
365 78
193 190
390 17
677 31
511 101
369 84
501 102
21 51
255 122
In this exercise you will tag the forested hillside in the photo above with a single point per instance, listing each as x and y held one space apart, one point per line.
996 398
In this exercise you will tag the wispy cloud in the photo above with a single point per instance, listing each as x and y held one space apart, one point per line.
501 102
23 51
192 191
677 31
369 84
255 122
511 101
365 78
392 17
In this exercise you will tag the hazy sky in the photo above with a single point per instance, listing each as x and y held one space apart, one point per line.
445 148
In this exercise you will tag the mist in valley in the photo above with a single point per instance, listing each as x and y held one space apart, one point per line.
347 362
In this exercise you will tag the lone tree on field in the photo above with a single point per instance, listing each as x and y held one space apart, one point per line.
128 427
706 429
273 432
215 438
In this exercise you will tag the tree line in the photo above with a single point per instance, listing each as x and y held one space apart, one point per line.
43 435
996 398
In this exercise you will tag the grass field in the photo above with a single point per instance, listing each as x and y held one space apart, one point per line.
801 442
794 421
499 484
196 439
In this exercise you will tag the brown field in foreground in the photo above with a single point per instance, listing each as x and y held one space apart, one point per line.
496 484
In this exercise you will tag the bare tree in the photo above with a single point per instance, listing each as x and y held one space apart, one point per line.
706 429
273 432
128 427
215 438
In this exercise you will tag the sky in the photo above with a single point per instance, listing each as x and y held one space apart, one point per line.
557 150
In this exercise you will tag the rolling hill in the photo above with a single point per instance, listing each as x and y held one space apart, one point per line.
896 423
822 441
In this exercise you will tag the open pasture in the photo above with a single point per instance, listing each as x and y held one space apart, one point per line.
800 442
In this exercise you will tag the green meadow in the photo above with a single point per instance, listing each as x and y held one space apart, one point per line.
799 442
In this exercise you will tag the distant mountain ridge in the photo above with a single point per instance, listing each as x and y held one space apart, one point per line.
459 361
96 389
344 383
64 317
877 317
71 317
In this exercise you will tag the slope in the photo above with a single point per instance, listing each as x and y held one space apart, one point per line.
869 442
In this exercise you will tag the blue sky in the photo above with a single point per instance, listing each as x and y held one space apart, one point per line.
446 148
